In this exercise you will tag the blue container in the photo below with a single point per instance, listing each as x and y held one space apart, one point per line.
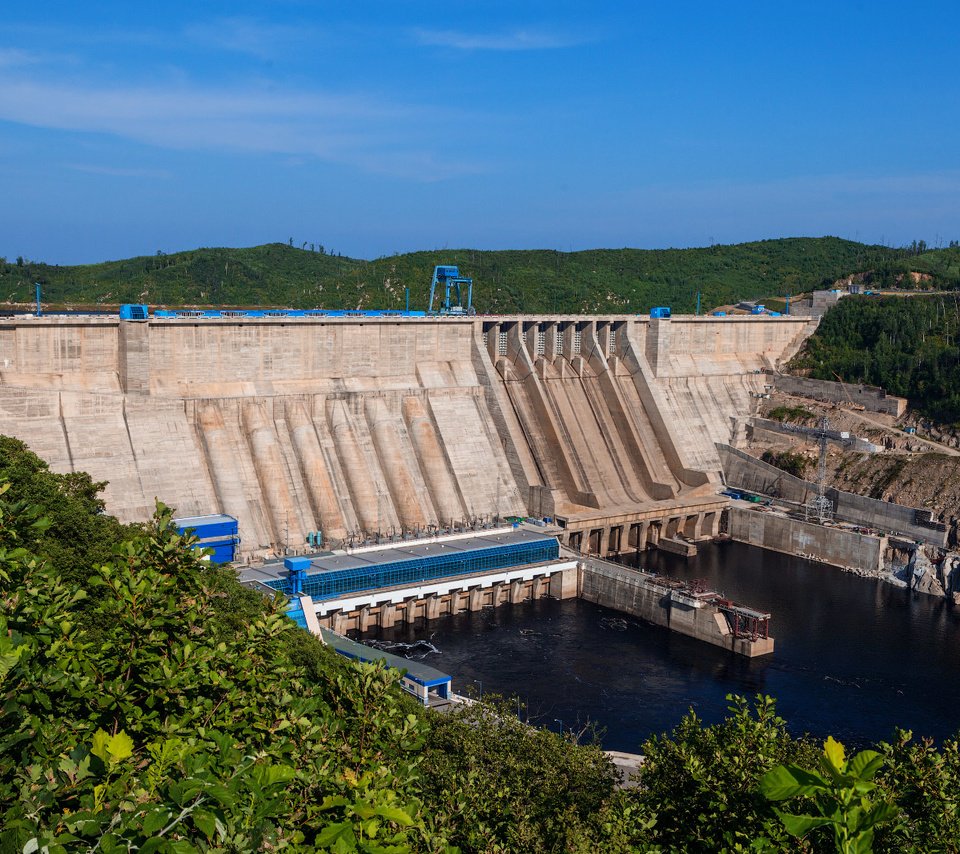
132 311
660 311
222 552
218 532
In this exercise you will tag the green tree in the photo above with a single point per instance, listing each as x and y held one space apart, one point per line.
840 793
926 784
699 783
502 785
156 723
79 533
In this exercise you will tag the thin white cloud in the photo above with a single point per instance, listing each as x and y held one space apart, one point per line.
249 36
117 172
807 188
512 40
12 57
364 132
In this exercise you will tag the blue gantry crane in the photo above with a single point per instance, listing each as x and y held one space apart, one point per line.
453 283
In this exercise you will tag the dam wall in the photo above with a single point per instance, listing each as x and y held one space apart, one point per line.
358 427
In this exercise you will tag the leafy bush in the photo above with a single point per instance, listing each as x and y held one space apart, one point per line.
788 461
700 782
842 793
158 732
507 786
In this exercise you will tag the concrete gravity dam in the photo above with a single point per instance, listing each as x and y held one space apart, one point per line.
351 426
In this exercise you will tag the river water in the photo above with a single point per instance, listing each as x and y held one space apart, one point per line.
854 657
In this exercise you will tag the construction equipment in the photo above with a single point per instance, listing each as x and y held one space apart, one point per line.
820 508
451 280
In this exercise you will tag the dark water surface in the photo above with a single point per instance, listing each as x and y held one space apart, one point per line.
854 657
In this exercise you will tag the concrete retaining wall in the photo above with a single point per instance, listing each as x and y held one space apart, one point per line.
870 397
636 593
742 471
836 546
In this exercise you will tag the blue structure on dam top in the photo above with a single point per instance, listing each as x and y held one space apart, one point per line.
132 311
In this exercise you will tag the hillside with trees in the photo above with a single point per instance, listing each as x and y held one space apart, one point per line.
149 703
908 345
600 280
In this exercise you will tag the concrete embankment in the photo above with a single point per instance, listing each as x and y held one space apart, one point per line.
842 547
701 615
743 471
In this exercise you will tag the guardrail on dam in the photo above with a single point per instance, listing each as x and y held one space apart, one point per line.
352 426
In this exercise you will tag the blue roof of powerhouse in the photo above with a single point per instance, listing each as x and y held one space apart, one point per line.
419 672
401 553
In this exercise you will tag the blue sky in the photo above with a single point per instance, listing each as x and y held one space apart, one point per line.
382 127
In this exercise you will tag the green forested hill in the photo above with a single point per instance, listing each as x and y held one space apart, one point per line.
601 280
909 346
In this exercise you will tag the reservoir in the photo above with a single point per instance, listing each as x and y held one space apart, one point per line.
854 657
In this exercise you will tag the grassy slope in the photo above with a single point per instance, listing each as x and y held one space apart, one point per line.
529 280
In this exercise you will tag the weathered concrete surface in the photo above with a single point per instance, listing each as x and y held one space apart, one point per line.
676 546
743 471
870 397
353 426
641 595
837 546
628 767
620 416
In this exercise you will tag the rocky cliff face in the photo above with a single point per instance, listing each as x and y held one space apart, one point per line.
939 577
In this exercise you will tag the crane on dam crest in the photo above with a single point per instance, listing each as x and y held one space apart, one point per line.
449 278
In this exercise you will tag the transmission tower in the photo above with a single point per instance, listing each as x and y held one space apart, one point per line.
820 508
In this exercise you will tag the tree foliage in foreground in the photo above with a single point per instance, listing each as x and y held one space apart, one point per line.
842 793
501 781
155 705
157 732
